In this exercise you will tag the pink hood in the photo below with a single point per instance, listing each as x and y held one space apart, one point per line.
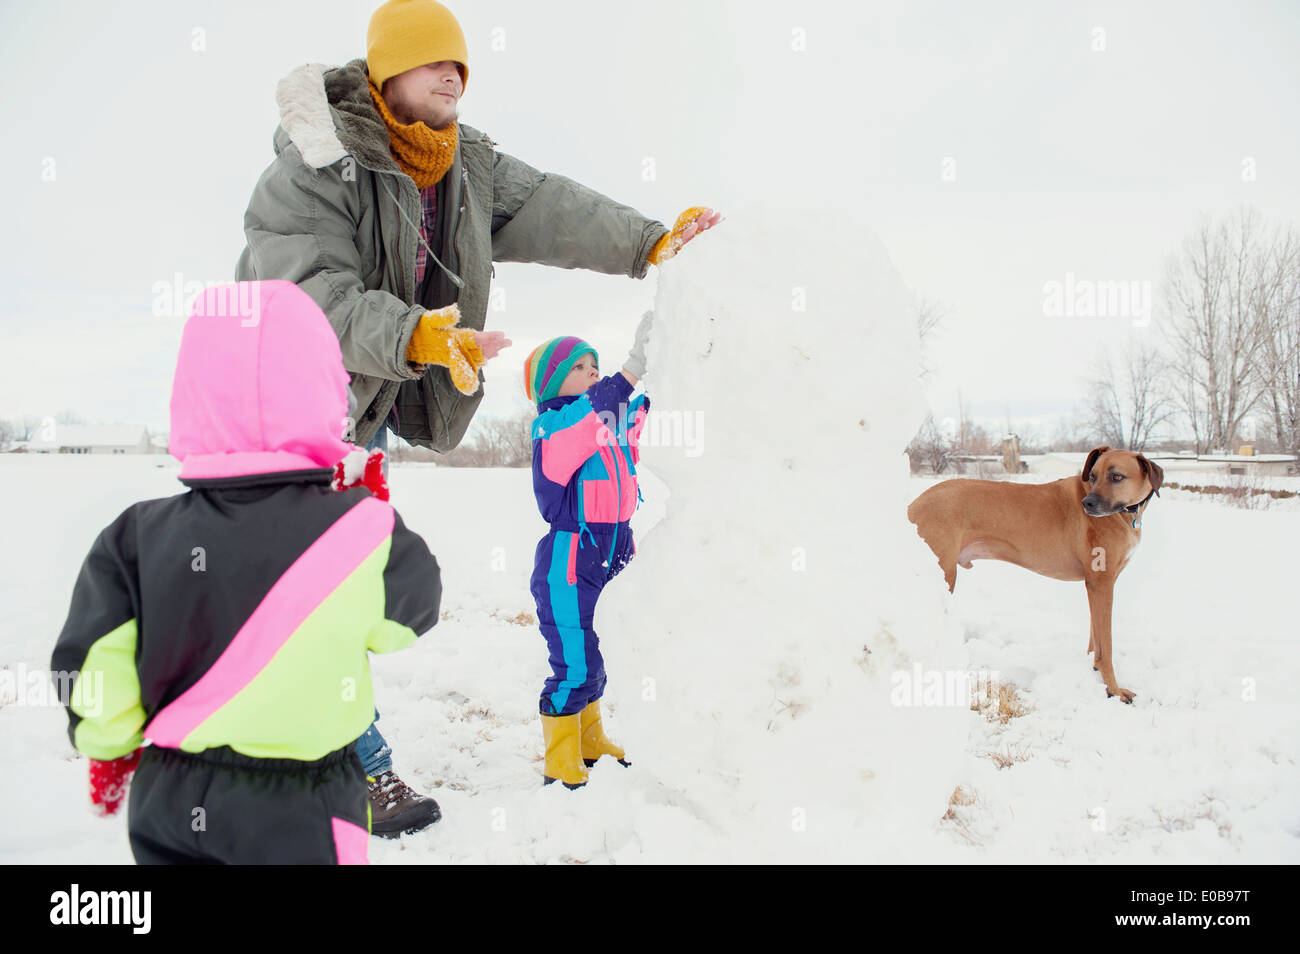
260 385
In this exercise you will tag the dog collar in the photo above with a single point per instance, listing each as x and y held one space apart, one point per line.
1137 507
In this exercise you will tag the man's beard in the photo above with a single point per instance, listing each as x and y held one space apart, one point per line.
432 121
427 117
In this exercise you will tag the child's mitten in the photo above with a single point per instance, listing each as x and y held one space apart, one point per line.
635 363
436 340
361 468
109 781
695 219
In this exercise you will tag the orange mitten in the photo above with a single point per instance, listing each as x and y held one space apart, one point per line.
437 340
667 246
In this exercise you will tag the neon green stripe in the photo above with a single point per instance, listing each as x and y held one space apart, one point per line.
107 697
389 637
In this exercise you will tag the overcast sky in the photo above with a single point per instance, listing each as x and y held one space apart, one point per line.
998 147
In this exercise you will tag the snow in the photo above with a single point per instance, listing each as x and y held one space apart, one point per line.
757 645
1196 770
1190 772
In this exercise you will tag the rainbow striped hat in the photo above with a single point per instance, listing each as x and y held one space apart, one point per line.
550 363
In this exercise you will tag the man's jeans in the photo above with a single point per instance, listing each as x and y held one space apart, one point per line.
376 757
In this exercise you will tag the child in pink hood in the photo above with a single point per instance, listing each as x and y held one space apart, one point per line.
219 638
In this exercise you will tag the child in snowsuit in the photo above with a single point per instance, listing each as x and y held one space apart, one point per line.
226 629
585 451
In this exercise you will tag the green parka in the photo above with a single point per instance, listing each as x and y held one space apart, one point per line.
335 214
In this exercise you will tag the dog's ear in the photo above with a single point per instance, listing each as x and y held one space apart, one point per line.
1154 473
1092 459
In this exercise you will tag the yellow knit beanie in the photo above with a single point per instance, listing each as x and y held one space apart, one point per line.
405 34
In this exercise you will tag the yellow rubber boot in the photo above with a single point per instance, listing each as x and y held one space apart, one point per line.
564 750
595 742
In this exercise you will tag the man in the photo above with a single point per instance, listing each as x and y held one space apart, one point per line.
386 211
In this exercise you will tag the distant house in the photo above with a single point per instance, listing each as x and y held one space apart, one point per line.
1244 465
985 463
1062 464
90 439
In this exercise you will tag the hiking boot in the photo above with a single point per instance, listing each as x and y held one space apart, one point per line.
397 809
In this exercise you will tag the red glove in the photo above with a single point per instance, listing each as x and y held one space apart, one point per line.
109 781
359 470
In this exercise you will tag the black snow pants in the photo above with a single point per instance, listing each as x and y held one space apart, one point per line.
221 807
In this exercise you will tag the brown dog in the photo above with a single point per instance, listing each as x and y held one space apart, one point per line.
1069 529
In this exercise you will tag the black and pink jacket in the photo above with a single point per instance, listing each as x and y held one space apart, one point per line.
241 612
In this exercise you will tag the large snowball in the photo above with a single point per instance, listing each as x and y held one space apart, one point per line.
753 644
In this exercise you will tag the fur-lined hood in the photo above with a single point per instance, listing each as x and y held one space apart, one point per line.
327 112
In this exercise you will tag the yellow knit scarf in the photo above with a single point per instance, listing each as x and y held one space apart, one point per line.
423 153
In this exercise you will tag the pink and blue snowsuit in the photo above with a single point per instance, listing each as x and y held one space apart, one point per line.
585 452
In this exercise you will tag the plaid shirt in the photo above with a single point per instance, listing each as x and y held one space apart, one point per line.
428 216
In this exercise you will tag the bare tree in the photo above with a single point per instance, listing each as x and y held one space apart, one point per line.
1031 440
24 427
929 314
1128 404
507 441
1216 326
495 442
973 438
18 429
929 448
1278 301
1075 434
464 454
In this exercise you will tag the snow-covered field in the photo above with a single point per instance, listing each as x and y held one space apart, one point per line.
1200 769
759 646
